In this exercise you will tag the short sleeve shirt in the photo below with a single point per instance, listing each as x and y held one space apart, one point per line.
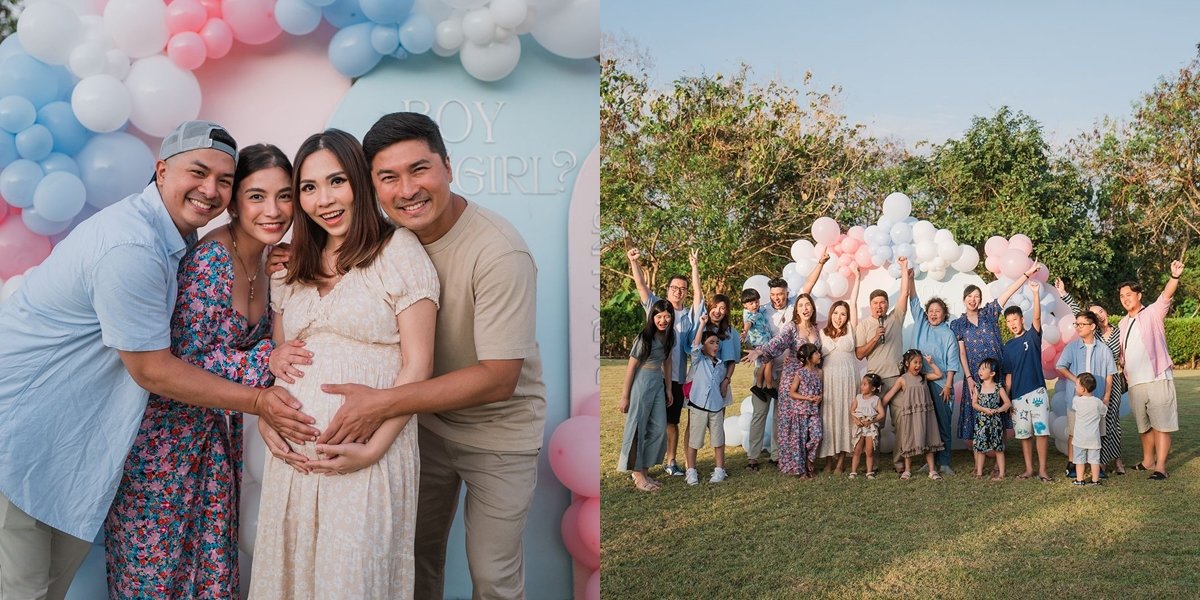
488 311
1023 359
884 360
69 408
686 319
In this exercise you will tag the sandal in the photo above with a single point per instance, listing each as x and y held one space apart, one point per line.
645 486
997 477
1158 476
1139 467
1045 479
934 475
905 475
1023 477
853 475
752 465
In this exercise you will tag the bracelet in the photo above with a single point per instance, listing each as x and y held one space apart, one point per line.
1175 278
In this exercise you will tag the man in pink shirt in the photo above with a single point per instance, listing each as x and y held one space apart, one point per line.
1148 371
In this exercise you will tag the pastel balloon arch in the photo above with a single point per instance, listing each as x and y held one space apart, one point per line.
941 265
86 85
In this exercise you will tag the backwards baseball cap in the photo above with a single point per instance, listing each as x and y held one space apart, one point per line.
197 135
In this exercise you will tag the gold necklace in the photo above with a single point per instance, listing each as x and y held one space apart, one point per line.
250 277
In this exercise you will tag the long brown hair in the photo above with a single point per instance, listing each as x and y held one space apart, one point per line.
368 233
835 332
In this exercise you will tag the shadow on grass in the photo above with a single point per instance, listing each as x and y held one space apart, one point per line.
766 535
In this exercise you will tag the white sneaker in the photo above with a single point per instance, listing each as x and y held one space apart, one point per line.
946 470
693 477
718 475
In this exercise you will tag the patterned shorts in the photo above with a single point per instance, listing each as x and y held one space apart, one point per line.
1031 414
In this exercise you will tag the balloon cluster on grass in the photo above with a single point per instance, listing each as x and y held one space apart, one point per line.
934 255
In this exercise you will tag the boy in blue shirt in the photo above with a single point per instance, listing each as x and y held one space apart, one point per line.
757 331
706 405
1025 384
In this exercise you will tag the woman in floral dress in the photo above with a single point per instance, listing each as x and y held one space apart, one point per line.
978 334
172 531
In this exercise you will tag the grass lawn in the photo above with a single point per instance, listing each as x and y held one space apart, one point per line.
764 535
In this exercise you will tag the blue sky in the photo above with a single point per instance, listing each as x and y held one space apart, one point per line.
920 70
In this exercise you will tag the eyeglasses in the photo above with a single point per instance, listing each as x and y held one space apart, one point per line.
1083 324
677 288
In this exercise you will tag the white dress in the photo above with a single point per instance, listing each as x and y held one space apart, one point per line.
345 536
840 373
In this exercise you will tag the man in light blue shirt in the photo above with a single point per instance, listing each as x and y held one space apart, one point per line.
85 336
932 335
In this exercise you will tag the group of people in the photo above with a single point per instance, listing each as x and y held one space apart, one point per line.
826 407
389 352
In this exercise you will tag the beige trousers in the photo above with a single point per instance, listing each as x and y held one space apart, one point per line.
36 561
500 489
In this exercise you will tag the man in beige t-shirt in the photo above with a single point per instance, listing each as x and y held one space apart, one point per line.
483 413
882 335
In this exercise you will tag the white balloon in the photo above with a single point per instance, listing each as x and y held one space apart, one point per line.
436 10
838 286
820 290
948 251
789 269
526 25
802 249
508 13
101 103
92 30
901 233
48 30
943 235
923 230
492 62
968 260
449 35
897 206
117 63
478 27
925 247
1050 334
733 432
759 284
442 51
87 59
936 274
465 4
138 27
162 94
572 30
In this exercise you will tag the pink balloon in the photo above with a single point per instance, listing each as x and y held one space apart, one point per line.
1066 326
1049 372
1021 242
592 592
590 406
863 257
825 230
848 271
1049 354
569 527
185 15
992 263
253 21
574 454
857 232
187 50
213 7
218 38
850 245
589 525
1043 273
995 246
3 211
1013 263
20 248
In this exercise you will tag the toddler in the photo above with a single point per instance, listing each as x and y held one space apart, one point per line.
1089 413
989 401
865 417
756 332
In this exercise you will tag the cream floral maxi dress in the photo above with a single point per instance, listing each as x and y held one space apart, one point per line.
345 536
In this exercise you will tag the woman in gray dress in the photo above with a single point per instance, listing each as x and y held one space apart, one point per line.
646 396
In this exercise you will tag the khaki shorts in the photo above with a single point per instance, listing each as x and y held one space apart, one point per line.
1154 406
698 421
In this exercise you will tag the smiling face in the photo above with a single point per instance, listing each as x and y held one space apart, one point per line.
663 320
717 312
412 183
1130 300
972 300
1099 312
804 309
195 187
839 316
676 289
326 195
778 298
1015 323
913 364
936 314
264 205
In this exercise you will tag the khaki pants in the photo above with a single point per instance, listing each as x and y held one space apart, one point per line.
758 421
36 560
500 489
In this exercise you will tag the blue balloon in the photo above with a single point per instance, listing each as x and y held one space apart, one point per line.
41 225
57 161
35 142
385 38
386 11
16 113
400 54
319 3
10 46
297 17
59 196
417 34
350 50
113 166
344 13
19 180
69 134
8 149
30 78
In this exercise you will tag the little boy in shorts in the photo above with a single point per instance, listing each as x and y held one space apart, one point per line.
757 332
1089 413
706 405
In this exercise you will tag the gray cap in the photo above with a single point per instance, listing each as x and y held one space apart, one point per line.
196 135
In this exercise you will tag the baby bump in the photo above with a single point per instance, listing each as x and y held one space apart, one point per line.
340 361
